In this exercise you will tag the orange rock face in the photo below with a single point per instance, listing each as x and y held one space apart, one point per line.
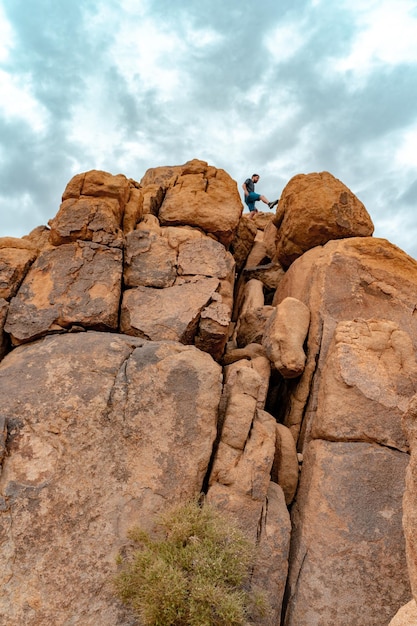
292 395
313 209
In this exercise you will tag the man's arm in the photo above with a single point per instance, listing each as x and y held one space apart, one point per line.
245 189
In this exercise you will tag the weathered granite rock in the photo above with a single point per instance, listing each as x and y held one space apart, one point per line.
410 495
204 197
149 260
262 219
39 238
240 476
269 239
104 431
366 383
171 313
270 274
92 209
89 219
258 253
250 296
348 555
314 209
285 469
176 235
251 325
344 280
133 211
74 284
243 240
164 175
213 329
16 257
250 351
406 616
4 340
270 571
98 184
284 336
205 257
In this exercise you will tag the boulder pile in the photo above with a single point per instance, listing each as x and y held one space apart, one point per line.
156 343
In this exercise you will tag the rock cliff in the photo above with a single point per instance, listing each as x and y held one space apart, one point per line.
155 343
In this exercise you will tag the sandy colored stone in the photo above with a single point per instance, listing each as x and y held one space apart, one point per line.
133 210
171 313
96 219
98 183
258 253
14 265
205 257
104 432
150 224
262 219
243 240
366 383
240 478
176 235
153 197
409 422
39 238
348 561
242 388
251 325
284 336
362 277
72 284
206 198
149 260
252 296
285 469
17 243
164 175
406 616
213 329
270 571
4 339
250 351
270 274
270 235
314 209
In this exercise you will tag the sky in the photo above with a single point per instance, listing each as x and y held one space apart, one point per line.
276 87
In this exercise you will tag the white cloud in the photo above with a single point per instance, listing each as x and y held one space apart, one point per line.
285 40
405 155
386 35
17 101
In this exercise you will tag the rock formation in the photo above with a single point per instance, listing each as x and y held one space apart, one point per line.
155 343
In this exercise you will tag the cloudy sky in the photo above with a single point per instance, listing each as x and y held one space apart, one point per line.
279 87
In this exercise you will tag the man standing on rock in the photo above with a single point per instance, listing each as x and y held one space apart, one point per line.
251 197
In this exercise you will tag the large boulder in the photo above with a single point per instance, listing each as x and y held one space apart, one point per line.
104 431
149 260
204 197
171 313
75 284
344 280
92 209
347 561
16 257
345 414
314 209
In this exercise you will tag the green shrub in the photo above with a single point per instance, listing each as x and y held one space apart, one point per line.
194 574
